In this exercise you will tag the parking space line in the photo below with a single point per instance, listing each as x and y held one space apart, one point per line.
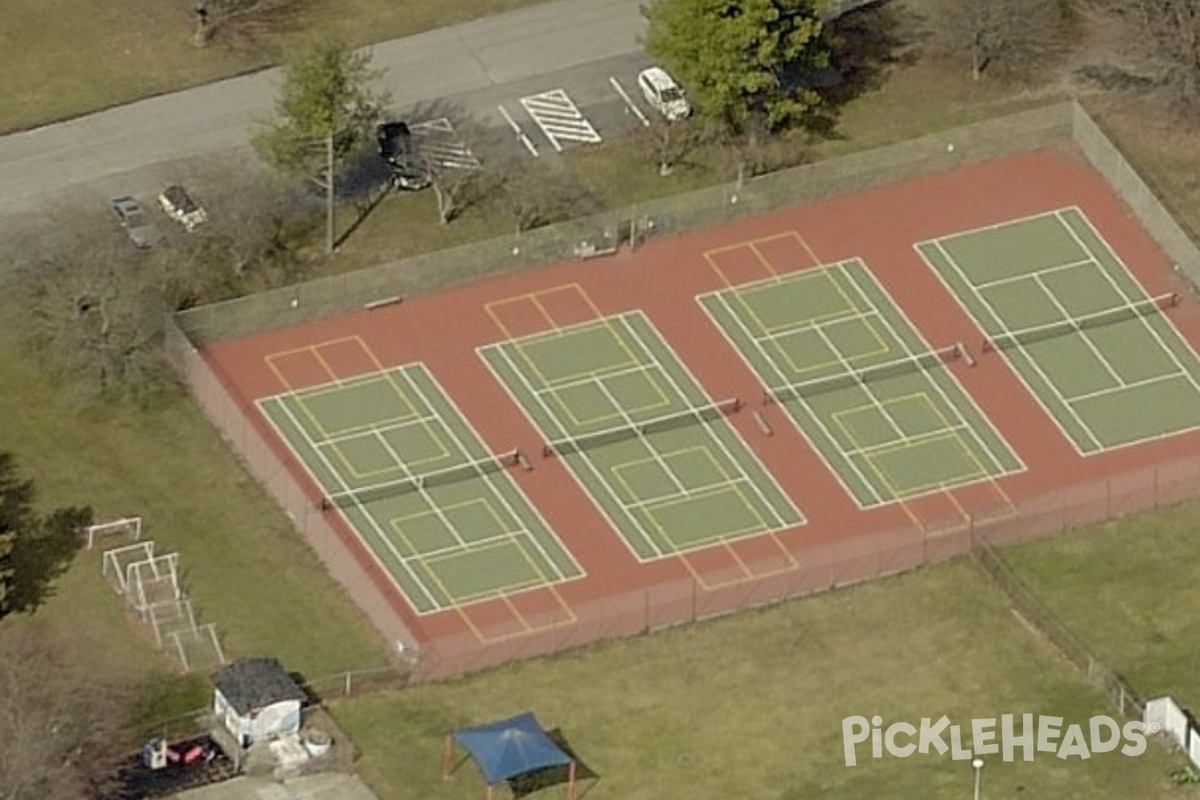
517 129
559 118
637 112
441 144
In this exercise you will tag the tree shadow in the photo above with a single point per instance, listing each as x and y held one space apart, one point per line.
867 45
531 782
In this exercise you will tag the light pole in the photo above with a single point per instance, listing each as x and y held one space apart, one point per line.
977 763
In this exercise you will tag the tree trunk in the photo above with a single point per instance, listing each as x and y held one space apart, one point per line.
329 193
665 162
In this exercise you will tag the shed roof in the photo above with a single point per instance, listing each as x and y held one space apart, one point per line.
253 683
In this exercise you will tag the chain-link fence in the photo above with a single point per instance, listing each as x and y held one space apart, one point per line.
684 600
600 234
1108 160
1041 619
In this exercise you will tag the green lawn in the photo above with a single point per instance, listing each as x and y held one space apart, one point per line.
122 50
752 706
1128 590
242 564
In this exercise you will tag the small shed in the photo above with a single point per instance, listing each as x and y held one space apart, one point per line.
255 699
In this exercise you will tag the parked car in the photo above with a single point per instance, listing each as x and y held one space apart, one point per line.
177 204
400 152
141 231
664 94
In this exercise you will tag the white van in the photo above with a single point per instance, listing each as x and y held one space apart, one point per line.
662 92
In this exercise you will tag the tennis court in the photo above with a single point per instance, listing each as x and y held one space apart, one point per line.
439 512
1097 351
860 382
638 433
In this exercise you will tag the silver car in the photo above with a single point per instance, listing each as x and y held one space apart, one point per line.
141 231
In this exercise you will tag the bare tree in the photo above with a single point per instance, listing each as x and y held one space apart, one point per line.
63 730
92 311
670 142
1165 34
456 188
988 32
230 19
255 231
538 193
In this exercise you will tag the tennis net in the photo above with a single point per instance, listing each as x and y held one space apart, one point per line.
1039 333
915 362
423 481
692 416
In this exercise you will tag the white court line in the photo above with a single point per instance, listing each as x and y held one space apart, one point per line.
550 417
998 322
374 523
637 112
710 429
722 296
844 269
491 479
1025 276
520 133
1132 300
941 391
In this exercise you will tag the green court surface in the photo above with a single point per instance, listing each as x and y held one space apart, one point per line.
1102 357
861 383
639 434
415 482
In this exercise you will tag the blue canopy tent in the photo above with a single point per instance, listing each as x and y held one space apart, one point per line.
508 748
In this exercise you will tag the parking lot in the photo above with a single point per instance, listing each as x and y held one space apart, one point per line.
496 126
534 119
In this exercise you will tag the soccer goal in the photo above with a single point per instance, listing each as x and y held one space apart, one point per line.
198 650
116 563
168 617
151 581
130 526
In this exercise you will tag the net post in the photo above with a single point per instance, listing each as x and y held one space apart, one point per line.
965 353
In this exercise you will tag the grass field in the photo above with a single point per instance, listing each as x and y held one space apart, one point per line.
242 563
1127 589
751 706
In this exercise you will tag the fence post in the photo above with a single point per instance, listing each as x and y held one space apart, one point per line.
348 684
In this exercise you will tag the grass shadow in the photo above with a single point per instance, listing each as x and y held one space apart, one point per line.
868 44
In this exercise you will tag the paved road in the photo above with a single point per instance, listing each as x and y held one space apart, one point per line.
131 148
467 72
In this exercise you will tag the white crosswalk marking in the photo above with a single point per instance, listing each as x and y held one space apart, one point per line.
440 144
559 119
